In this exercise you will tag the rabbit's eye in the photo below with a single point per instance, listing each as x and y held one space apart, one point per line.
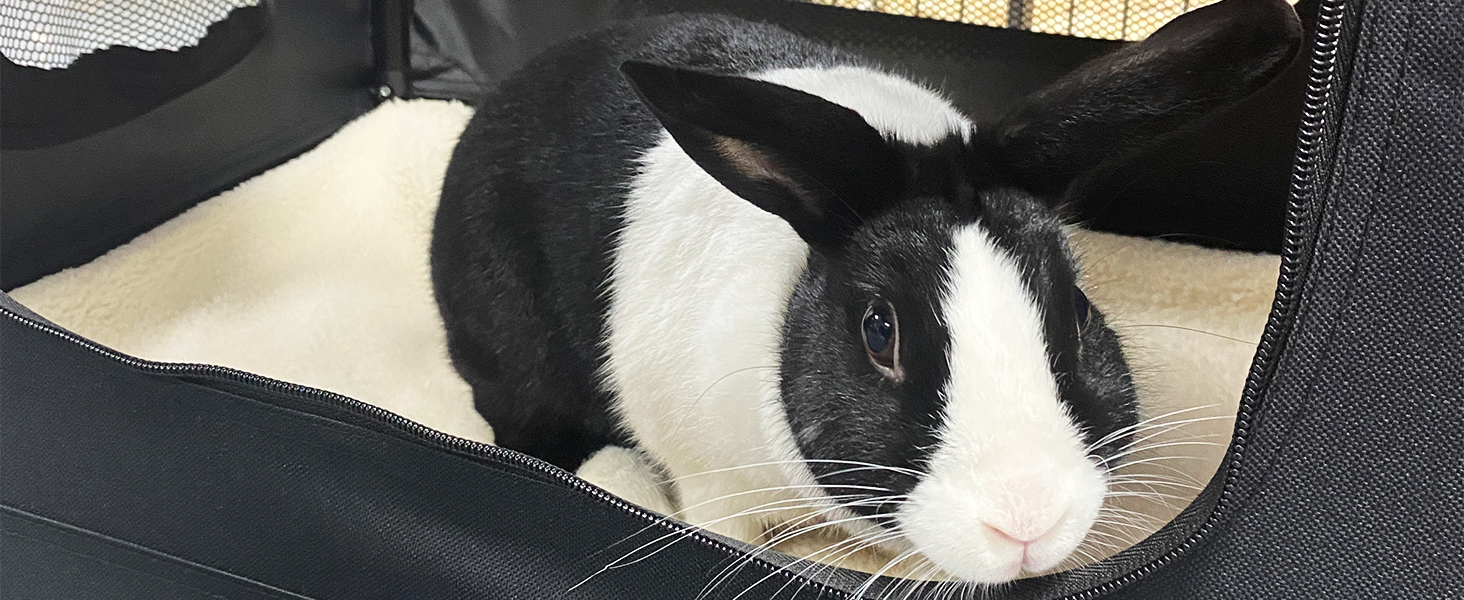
881 339
1082 308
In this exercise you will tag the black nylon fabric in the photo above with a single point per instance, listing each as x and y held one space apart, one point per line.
106 88
462 49
151 152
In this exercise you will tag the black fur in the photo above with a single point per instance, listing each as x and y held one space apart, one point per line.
532 201
1107 109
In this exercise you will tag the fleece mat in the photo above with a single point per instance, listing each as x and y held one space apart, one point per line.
316 272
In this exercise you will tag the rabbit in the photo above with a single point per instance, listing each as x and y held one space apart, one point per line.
813 291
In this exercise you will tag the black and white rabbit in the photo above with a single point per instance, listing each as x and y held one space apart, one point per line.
801 283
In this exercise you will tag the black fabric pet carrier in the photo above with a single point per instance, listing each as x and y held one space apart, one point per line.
123 478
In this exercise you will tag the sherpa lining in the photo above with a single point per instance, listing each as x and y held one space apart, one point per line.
316 273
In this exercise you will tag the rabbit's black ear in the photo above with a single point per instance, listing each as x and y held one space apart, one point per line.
1107 109
818 165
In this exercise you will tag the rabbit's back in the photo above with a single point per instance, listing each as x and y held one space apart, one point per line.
531 205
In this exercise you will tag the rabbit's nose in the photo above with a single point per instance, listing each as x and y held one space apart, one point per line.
1022 531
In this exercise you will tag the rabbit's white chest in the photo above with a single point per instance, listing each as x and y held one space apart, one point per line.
698 289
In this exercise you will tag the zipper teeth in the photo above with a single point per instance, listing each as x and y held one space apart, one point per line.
411 428
1314 119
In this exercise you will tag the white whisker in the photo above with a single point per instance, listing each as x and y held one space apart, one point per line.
859 592
1123 431
802 461
770 544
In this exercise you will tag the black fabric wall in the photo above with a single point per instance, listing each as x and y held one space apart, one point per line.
123 140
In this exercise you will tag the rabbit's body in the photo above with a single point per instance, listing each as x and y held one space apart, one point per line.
824 296
541 211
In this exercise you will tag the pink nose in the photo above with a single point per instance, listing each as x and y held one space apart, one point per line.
1021 532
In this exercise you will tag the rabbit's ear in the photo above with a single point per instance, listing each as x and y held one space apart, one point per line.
818 165
1109 108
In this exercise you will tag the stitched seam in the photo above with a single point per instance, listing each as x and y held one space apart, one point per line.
162 558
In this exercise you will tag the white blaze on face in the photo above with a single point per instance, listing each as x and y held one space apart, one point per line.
1009 488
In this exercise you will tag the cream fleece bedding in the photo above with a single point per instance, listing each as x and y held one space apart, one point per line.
316 273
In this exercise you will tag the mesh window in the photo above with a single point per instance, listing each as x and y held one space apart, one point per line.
54 33
1104 19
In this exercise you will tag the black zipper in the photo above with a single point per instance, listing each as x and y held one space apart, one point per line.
1310 152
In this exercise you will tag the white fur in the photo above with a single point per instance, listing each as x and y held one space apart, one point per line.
692 344
1010 462
629 474
698 288
894 106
